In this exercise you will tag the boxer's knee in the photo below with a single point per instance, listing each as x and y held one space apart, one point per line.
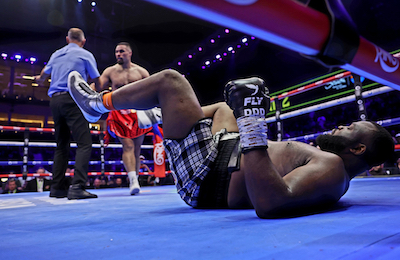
173 80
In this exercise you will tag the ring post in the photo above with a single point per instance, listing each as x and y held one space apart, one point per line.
25 154
362 112
279 126
102 152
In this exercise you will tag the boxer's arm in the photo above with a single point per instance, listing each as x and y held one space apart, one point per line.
103 81
210 110
222 116
321 181
97 84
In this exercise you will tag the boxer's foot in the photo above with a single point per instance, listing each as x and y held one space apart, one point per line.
134 187
89 101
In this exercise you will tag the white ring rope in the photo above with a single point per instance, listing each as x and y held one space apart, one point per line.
74 145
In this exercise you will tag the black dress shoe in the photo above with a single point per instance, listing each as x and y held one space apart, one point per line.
54 193
77 192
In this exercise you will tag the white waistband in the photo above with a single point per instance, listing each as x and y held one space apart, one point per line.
229 136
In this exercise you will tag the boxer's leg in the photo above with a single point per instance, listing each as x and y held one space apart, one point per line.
167 89
130 157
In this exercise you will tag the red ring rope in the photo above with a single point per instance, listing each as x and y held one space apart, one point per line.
313 85
71 174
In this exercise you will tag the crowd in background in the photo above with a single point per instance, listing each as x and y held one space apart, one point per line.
43 183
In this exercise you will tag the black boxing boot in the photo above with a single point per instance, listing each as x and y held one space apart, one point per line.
249 100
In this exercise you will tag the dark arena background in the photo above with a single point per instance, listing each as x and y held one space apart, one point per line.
308 99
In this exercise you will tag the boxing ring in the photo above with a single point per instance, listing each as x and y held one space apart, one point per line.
157 224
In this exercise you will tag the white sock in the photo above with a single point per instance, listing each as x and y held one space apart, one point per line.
134 186
132 175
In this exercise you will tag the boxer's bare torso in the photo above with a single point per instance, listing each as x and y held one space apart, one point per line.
119 75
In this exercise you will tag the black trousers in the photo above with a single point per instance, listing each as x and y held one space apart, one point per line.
69 119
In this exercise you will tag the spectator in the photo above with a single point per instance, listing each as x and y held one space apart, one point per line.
11 187
143 166
17 181
119 183
38 184
103 182
98 184
148 178
111 183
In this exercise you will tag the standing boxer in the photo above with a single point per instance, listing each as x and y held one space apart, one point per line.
123 123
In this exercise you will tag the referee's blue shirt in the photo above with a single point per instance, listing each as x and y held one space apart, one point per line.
63 61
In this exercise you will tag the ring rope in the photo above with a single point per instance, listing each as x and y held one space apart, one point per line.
71 174
74 145
38 129
332 103
47 130
26 144
30 163
312 85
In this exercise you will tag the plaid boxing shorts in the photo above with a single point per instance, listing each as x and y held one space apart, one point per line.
191 159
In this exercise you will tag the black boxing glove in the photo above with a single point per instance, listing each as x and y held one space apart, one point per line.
247 97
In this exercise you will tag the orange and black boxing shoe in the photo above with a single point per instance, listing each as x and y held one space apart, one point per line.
247 97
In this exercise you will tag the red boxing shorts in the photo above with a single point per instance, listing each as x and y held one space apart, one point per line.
123 123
